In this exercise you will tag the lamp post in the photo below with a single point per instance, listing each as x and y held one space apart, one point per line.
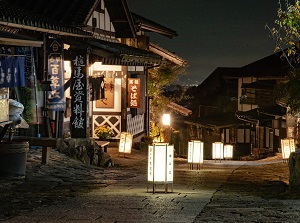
160 165
195 154
166 120
217 151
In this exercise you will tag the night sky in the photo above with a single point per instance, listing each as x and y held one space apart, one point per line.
212 33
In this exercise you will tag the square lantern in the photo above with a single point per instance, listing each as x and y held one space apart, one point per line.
160 165
217 151
125 143
195 153
228 152
287 147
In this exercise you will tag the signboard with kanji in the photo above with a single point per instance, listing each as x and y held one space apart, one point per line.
55 98
79 94
134 92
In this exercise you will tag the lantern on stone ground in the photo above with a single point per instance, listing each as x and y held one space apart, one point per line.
217 151
228 152
287 147
160 165
195 153
125 143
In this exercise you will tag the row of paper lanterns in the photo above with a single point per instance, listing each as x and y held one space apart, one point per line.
161 158
219 151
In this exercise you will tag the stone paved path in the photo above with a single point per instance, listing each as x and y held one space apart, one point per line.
68 191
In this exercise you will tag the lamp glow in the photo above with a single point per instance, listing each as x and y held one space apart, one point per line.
287 147
195 153
166 119
217 151
228 152
160 165
125 143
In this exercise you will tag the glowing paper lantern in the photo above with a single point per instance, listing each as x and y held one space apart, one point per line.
217 151
195 153
228 152
160 165
287 147
125 142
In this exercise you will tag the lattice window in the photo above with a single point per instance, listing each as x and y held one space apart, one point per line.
114 122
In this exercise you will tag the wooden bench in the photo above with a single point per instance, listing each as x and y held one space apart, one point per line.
102 144
44 142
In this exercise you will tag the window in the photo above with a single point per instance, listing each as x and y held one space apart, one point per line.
248 96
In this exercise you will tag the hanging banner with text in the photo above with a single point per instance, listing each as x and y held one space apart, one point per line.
55 98
134 92
79 94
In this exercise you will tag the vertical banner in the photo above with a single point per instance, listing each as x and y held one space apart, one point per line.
134 92
79 94
55 98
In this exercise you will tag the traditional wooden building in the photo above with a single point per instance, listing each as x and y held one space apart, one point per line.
242 109
99 52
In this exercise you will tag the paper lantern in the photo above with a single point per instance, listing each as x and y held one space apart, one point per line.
217 151
160 165
195 153
228 152
125 143
287 147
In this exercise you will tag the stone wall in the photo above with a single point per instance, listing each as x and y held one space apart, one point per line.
85 150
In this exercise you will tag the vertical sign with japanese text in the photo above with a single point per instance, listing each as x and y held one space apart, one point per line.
79 94
134 92
55 98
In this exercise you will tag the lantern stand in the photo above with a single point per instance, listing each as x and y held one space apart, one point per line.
228 152
287 147
218 151
125 143
160 165
195 154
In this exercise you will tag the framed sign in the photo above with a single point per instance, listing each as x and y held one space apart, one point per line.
134 92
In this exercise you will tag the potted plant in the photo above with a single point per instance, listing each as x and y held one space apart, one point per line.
104 132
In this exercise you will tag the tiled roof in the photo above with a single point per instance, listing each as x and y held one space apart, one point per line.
150 26
167 54
7 38
72 12
270 66
216 121
13 13
273 66
125 55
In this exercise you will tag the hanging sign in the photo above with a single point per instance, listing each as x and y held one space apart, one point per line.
79 93
55 98
134 92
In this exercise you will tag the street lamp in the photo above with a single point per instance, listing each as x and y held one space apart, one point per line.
160 165
228 152
217 151
195 153
166 120
287 147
